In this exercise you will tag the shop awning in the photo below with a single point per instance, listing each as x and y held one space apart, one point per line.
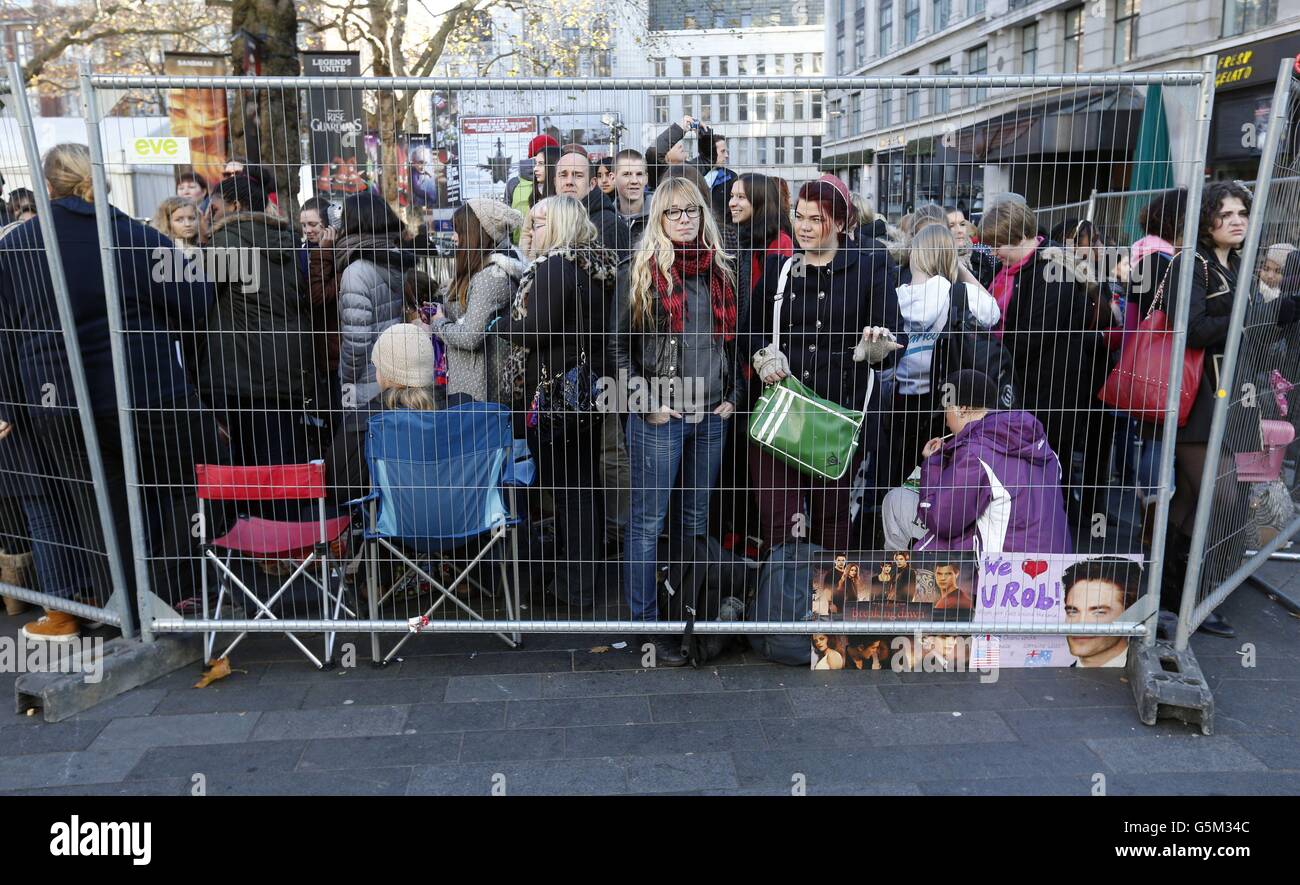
1100 119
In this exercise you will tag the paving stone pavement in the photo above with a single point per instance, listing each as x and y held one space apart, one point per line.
460 715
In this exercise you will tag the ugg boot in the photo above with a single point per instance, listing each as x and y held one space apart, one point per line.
14 570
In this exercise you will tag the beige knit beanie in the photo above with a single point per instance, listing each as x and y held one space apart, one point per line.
404 356
496 218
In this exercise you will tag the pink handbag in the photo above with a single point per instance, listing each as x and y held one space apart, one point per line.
1266 465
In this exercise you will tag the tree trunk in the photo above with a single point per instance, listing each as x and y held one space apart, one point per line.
267 123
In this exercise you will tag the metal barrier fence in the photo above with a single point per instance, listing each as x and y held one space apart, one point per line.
58 531
608 519
1244 512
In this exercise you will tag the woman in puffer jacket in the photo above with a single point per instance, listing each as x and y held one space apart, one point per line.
484 282
370 266
925 304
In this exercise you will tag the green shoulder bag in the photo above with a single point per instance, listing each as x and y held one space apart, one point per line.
814 435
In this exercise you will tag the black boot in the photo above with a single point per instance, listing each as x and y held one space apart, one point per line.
668 649
1217 625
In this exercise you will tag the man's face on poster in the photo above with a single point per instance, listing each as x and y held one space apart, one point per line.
945 578
949 651
1093 602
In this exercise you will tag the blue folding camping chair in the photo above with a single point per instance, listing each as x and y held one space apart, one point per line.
443 483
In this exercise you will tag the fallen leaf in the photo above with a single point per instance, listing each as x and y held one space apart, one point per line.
220 669
600 649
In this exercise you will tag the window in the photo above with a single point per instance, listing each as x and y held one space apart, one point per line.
23 46
840 66
778 106
704 66
816 106
941 96
740 150
661 67
1240 16
817 63
940 15
760 106
911 21
724 107
688 105
799 152
798 63
762 150
778 64
760 65
886 27
975 7
885 107
912 100
855 113
603 63
836 120
1029 50
724 66
796 105
661 109
706 108
1126 29
1074 40
779 157
742 65
686 67
816 149
742 106
977 65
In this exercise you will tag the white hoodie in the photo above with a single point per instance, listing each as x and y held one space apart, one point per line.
925 315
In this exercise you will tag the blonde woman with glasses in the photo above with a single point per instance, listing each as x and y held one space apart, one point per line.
676 337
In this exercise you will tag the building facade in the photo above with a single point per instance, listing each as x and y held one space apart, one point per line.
901 147
776 132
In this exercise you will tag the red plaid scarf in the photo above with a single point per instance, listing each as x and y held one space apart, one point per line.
689 260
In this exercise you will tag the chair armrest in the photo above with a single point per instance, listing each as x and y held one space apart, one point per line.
521 471
357 502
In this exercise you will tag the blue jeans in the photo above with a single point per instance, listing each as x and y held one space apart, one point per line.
662 457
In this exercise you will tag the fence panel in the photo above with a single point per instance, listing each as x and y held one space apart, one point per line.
58 532
286 356
1244 511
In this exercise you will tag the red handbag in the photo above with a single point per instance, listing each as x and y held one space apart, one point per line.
1139 383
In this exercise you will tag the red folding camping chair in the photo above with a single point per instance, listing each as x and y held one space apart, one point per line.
303 545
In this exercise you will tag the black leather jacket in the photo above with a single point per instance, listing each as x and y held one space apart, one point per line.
656 353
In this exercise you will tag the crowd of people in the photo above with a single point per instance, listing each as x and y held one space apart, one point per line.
630 311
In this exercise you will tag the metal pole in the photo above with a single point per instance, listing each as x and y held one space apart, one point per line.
1165 486
120 373
1219 424
62 300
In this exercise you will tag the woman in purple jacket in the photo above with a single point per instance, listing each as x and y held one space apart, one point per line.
994 483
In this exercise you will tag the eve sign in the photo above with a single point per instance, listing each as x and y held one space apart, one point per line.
158 149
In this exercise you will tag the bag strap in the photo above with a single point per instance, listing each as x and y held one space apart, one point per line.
776 302
1157 303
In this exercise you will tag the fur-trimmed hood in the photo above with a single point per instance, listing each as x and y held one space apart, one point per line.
597 262
1065 267
897 244
265 218
506 263
273 235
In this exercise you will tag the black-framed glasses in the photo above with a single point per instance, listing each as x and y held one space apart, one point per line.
675 214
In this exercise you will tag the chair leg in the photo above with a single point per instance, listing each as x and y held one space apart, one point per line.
372 596
514 558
